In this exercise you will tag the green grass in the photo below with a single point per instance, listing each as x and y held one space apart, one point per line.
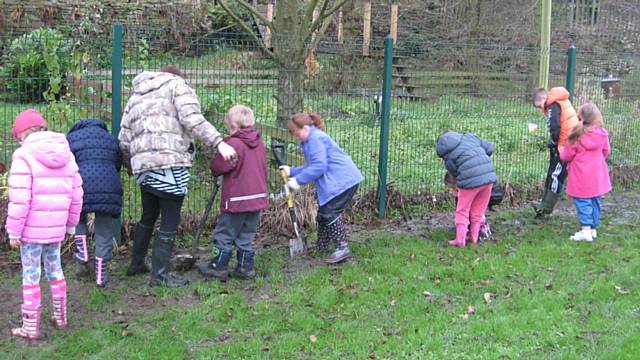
534 293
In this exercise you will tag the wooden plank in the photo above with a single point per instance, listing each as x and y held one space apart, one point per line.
340 28
394 22
267 30
366 33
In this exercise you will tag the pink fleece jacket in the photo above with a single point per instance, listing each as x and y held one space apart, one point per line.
587 168
45 189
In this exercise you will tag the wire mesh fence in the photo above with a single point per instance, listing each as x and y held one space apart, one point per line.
482 88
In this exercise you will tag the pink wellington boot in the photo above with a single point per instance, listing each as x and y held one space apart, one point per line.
475 233
59 300
30 313
461 235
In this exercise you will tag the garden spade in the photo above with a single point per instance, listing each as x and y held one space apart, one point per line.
185 262
297 245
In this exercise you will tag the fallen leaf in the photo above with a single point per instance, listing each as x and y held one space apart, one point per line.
568 306
620 290
380 341
488 296
471 310
266 349
313 338
426 293
125 332
393 302
548 286
465 317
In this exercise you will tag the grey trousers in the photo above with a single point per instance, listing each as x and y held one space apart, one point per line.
236 228
102 233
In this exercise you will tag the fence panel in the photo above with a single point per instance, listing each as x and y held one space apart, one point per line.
482 88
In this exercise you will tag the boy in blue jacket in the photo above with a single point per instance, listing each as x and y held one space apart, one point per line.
98 156
336 178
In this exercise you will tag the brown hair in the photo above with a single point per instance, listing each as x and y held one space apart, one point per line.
299 120
172 70
536 94
588 115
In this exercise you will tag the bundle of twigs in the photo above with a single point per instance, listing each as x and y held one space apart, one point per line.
275 219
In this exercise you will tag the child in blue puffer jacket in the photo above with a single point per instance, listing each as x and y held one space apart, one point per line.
336 178
99 159
468 159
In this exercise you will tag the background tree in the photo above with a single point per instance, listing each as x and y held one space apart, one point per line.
296 28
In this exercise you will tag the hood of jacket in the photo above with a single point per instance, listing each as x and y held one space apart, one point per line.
448 142
148 81
557 94
50 148
249 136
85 123
594 137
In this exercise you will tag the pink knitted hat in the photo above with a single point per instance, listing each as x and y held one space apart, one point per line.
27 119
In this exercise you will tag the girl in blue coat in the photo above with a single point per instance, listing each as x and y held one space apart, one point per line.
98 156
335 176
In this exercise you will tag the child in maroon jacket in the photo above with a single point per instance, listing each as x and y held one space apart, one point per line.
244 194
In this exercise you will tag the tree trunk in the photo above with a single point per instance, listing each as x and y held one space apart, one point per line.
290 96
291 51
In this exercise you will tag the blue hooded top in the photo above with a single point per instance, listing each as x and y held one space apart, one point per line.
330 167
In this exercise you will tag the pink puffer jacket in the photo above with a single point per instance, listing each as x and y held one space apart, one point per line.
45 189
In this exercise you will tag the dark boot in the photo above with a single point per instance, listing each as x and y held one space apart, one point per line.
546 205
81 256
217 267
338 233
160 262
244 268
322 244
141 239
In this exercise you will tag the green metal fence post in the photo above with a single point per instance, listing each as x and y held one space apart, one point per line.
116 98
571 70
384 126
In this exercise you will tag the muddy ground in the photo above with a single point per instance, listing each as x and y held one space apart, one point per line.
133 298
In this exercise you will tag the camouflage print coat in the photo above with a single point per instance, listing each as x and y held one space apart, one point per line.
159 123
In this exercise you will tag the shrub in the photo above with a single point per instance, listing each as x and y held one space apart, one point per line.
35 65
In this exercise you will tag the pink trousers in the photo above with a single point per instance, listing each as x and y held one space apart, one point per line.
472 204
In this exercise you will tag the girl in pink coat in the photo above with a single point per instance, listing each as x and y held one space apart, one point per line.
45 200
588 146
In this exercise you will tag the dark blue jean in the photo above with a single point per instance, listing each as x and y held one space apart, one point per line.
588 211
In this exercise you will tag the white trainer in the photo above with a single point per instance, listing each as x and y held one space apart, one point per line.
594 233
583 235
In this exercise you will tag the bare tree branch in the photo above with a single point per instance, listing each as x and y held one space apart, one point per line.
255 12
335 8
308 16
316 23
319 36
247 29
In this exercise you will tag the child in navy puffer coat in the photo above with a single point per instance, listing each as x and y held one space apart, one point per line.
467 158
98 156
